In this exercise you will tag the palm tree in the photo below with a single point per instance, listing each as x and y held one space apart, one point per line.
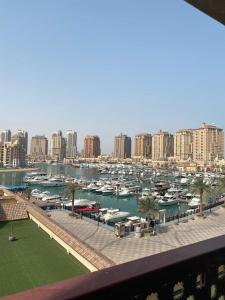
71 189
28 194
200 187
148 206
220 188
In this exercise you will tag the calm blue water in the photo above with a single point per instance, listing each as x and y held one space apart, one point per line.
129 204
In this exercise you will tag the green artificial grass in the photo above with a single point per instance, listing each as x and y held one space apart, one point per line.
33 259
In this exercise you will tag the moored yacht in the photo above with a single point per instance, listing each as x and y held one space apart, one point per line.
114 216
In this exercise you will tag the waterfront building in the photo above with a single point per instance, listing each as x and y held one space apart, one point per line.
208 143
122 146
71 144
22 137
38 148
91 146
12 154
6 135
58 146
183 144
143 145
162 145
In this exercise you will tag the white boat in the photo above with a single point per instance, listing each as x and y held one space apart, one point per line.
124 193
78 203
37 173
113 216
52 197
34 180
168 200
100 214
53 182
102 189
184 181
92 187
108 192
194 202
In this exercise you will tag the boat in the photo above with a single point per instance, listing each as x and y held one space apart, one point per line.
91 187
194 202
53 182
167 201
78 203
51 198
124 193
108 192
100 214
113 216
90 208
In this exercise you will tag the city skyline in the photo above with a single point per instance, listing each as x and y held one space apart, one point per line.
80 150
109 67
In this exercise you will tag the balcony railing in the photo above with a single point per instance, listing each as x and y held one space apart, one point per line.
195 271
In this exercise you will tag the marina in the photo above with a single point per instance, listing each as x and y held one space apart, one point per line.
117 188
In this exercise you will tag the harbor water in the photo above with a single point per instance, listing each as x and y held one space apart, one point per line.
129 204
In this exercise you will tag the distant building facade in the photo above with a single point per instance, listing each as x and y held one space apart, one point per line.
22 137
122 146
143 145
6 136
92 147
58 146
162 145
38 148
183 145
208 143
12 154
71 144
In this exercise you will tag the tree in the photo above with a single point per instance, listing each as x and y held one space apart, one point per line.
148 206
28 194
200 187
71 189
220 188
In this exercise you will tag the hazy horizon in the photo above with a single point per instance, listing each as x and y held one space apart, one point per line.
102 68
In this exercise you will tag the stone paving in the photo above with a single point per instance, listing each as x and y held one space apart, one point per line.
128 248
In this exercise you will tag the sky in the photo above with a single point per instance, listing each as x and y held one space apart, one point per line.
109 66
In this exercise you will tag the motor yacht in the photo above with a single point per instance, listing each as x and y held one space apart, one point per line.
194 202
113 216
124 193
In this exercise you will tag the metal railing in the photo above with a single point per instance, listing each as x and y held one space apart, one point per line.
195 271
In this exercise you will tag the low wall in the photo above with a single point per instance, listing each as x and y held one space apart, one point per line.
85 254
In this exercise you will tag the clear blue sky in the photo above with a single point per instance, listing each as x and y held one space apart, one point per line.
109 66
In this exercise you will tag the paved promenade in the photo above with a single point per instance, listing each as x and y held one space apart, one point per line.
130 247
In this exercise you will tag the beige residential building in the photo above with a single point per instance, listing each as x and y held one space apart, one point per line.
122 146
22 137
58 146
6 136
91 146
38 148
162 145
12 154
208 143
143 145
183 144
71 144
